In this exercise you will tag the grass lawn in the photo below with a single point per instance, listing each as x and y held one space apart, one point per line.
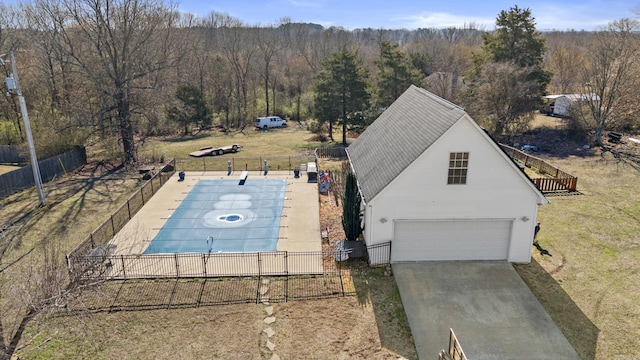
590 285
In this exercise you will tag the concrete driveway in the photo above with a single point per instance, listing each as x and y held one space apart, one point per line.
488 306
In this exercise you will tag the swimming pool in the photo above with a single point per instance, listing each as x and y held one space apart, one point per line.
222 216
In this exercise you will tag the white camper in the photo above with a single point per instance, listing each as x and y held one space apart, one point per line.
560 105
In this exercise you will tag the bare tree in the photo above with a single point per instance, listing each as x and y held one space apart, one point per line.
565 63
269 43
606 73
33 284
239 50
499 97
9 41
119 45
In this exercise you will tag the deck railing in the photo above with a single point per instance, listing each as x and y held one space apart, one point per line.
558 180
454 352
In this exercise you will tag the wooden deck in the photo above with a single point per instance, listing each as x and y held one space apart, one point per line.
553 180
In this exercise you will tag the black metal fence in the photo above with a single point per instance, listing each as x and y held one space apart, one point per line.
275 277
239 163
334 152
222 163
101 265
116 221
22 178
215 278
123 295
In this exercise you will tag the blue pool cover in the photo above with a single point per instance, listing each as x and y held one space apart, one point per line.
222 216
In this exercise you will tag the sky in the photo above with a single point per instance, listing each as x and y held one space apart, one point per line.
412 14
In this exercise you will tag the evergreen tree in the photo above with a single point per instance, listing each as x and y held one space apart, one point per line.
511 56
396 73
341 89
193 110
351 208
515 39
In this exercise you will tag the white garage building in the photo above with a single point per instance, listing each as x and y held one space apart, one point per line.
439 188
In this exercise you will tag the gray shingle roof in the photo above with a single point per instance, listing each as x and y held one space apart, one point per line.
398 137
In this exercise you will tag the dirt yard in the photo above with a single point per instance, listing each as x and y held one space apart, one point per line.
337 328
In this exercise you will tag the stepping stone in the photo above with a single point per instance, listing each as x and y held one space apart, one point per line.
269 331
263 290
265 281
270 320
275 357
269 310
271 346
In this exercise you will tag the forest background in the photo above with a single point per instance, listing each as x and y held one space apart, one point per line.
125 70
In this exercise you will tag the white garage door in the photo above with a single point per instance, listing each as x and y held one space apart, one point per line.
426 240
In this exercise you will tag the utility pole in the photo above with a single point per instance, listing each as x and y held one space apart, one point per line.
13 87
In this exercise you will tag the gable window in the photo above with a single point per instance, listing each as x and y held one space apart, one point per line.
458 164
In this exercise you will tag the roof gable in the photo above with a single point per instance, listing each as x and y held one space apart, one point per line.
399 136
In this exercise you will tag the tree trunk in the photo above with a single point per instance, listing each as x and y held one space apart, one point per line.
266 88
126 128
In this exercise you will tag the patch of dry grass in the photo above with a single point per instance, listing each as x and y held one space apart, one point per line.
591 284
7 168
291 140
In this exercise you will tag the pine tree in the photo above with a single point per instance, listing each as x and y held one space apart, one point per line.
351 208
341 89
508 80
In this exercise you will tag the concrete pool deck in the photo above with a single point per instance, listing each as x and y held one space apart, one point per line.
299 224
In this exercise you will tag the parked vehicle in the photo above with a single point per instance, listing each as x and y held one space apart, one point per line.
268 122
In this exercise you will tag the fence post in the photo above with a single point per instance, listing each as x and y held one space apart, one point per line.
286 283
93 245
175 256
124 270
142 194
151 181
259 279
339 272
129 209
204 264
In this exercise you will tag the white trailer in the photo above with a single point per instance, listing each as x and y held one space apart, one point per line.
560 105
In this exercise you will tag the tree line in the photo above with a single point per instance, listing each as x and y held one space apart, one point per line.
126 69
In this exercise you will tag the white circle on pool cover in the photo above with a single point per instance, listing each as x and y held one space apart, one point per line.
227 219
233 201
226 205
227 197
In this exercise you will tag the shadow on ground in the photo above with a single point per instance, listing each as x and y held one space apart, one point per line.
574 324
186 138
379 290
